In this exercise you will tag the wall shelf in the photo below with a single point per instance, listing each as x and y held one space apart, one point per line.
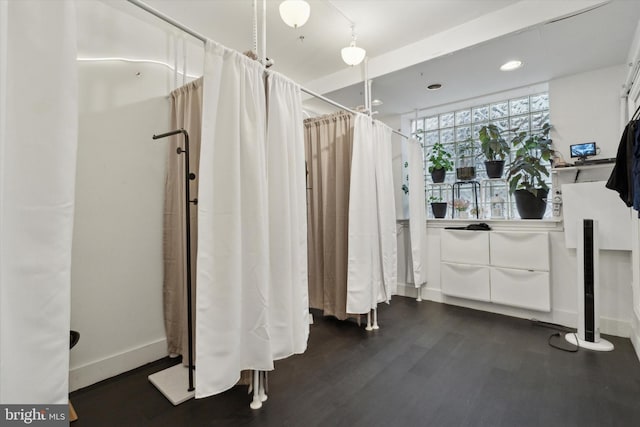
582 167
579 168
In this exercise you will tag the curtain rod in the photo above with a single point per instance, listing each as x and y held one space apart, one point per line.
203 39
342 107
328 101
167 19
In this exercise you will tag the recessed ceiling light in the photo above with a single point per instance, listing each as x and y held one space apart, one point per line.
434 86
376 102
511 65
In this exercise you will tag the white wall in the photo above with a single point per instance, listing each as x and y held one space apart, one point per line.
586 107
116 289
583 107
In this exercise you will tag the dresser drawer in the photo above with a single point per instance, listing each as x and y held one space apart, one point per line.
464 247
465 281
521 288
524 250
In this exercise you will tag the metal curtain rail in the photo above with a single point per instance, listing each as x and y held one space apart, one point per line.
167 19
342 107
203 39
328 101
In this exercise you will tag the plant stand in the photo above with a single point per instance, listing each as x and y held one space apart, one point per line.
475 189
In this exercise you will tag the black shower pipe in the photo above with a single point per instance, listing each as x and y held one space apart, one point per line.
187 177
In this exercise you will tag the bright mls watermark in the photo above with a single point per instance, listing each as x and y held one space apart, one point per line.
34 415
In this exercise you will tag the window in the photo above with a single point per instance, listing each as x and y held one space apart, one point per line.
524 113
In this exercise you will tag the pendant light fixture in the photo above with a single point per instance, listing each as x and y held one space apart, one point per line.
352 54
295 13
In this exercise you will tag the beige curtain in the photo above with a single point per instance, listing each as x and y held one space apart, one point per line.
186 113
328 148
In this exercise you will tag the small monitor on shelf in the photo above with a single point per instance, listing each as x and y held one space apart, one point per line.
582 151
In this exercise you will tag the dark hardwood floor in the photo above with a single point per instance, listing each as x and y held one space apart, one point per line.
430 364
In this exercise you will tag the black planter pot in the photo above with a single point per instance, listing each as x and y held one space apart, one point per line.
438 175
494 168
439 209
466 173
530 206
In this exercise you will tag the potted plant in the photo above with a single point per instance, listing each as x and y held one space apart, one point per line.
439 162
466 158
527 172
461 206
494 148
476 212
438 207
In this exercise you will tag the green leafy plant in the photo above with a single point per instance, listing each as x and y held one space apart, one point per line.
405 188
466 148
466 160
435 199
492 144
528 169
440 158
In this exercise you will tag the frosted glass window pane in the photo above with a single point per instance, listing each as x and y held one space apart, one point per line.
481 114
446 136
446 120
508 136
540 102
519 106
527 114
450 148
463 117
521 123
476 130
431 123
539 119
432 137
463 133
503 125
499 110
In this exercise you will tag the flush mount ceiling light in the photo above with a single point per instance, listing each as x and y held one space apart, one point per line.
376 102
352 54
295 13
434 86
511 65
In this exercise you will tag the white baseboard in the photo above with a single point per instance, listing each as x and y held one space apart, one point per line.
635 332
91 373
617 327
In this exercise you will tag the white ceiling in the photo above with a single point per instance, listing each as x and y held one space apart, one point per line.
381 26
595 39
459 43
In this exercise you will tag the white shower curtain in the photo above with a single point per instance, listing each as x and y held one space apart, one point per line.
252 299
386 208
417 213
233 248
288 288
364 276
38 142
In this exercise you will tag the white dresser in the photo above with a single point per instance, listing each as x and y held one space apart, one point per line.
502 267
